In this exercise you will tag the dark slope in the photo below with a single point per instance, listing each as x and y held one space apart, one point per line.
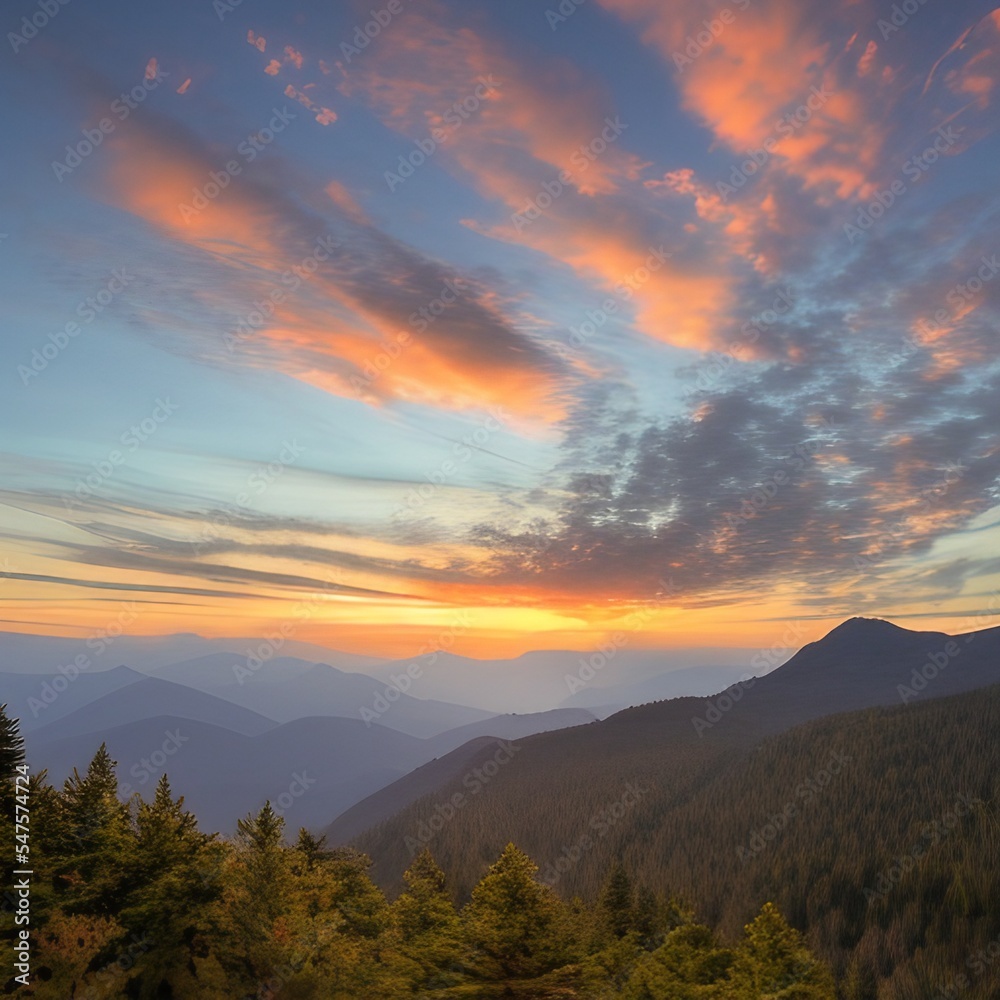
559 785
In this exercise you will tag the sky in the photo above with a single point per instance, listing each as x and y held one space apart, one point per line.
499 327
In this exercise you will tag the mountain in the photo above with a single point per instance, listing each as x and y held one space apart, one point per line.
149 698
22 652
541 679
388 801
691 681
227 760
557 784
512 727
286 688
876 830
307 768
39 699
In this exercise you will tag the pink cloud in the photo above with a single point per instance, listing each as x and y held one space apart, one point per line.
272 68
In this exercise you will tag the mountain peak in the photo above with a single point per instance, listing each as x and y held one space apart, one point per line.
864 627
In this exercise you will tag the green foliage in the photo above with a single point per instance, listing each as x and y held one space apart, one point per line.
11 746
132 901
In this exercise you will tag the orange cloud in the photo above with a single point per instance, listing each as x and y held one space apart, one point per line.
257 41
273 68
764 64
183 88
533 130
151 69
371 321
293 56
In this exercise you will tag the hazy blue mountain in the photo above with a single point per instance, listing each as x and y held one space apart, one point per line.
149 698
224 773
692 681
543 679
104 650
286 688
40 699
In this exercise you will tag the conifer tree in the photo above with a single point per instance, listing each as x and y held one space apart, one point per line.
11 745
513 921
616 902
94 841
429 932
772 959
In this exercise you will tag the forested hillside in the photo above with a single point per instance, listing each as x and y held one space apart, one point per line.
877 831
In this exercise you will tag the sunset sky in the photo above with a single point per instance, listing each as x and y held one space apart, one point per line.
520 322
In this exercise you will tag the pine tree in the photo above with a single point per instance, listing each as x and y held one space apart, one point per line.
309 847
689 965
94 842
513 921
167 905
11 745
772 959
616 902
429 932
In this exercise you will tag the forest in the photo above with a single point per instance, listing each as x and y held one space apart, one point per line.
875 832
854 857
130 899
